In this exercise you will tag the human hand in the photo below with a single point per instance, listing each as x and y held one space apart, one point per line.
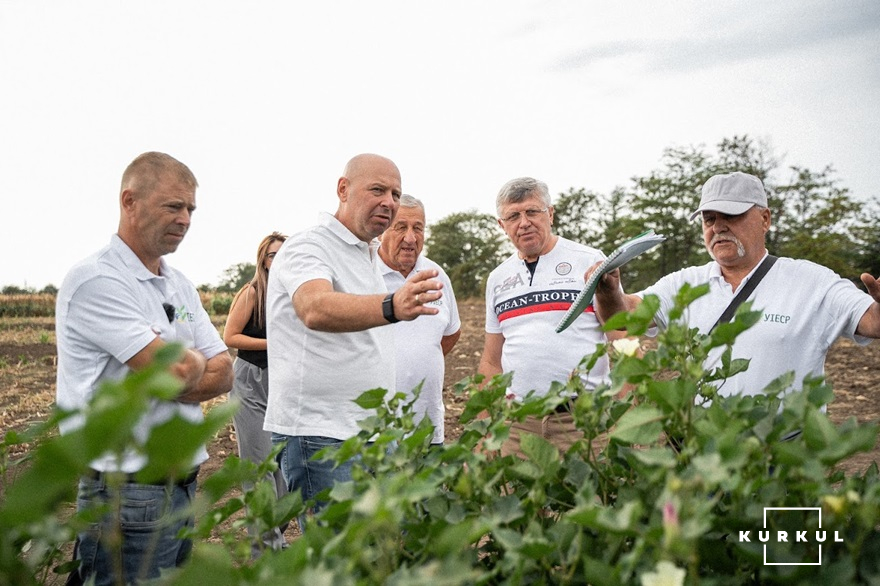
872 285
414 298
610 281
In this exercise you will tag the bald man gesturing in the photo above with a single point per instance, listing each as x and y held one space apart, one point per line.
326 305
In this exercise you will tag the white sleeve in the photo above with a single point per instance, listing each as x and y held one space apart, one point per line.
109 316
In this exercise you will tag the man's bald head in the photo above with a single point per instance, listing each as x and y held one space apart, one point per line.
369 194
366 162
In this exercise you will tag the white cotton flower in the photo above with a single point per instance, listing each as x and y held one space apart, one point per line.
664 574
626 346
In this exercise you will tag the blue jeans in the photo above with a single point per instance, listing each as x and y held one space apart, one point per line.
148 519
307 476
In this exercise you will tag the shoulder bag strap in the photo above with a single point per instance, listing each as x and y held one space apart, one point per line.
746 290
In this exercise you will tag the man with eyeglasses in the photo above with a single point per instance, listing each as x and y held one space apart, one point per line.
114 311
526 296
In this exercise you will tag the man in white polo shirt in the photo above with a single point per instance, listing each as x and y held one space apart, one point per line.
114 310
526 296
805 306
326 303
421 344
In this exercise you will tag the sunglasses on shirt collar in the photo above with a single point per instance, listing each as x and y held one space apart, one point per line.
169 311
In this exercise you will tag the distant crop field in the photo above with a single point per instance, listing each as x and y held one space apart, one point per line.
43 304
27 305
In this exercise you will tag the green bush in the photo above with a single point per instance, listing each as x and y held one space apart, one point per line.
636 511
221 303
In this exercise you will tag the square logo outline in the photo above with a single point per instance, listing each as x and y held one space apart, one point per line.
766 563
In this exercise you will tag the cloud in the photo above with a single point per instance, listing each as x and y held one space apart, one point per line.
730 36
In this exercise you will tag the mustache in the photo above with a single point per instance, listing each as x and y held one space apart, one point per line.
740 247
724 238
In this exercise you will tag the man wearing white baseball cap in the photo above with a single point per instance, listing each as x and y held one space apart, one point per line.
732 194
805 306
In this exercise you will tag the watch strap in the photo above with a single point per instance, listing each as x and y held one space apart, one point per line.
388 309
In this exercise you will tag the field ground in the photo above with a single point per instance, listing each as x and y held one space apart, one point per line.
27 380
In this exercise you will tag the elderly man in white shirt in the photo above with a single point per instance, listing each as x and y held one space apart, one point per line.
805 306
421 344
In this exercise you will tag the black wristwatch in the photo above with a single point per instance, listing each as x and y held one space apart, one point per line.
388 309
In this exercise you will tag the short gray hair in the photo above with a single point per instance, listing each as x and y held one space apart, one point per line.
408 201
522 188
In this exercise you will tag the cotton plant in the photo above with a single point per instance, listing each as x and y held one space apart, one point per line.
664 478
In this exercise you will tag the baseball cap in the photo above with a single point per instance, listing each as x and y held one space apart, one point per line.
731 194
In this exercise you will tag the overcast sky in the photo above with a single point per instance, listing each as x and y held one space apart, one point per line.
266 101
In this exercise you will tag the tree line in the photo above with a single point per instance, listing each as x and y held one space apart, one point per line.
814 217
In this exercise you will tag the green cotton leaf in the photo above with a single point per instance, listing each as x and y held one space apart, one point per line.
598 571
372 399
422 435
539 450
640 425
673 394
436 506
536 547
654 457
486 398
632 369
685 296
210 563
233 473
617 321
506 509
710 469
50 480
635 322
743 319
728 366
851 441
167 355
818 393
172 445
457 537
779 385
819 432
508 539
622 521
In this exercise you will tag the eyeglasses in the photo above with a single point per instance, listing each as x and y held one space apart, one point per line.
169 311
517 216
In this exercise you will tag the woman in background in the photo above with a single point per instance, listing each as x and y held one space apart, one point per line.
246 331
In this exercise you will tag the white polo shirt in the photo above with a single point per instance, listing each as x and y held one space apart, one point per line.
108 309
525 309
805 308
419 356
316 376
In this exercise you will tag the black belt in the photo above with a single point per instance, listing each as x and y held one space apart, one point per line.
131 478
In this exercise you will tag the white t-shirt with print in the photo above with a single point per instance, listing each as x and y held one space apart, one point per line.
526 309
